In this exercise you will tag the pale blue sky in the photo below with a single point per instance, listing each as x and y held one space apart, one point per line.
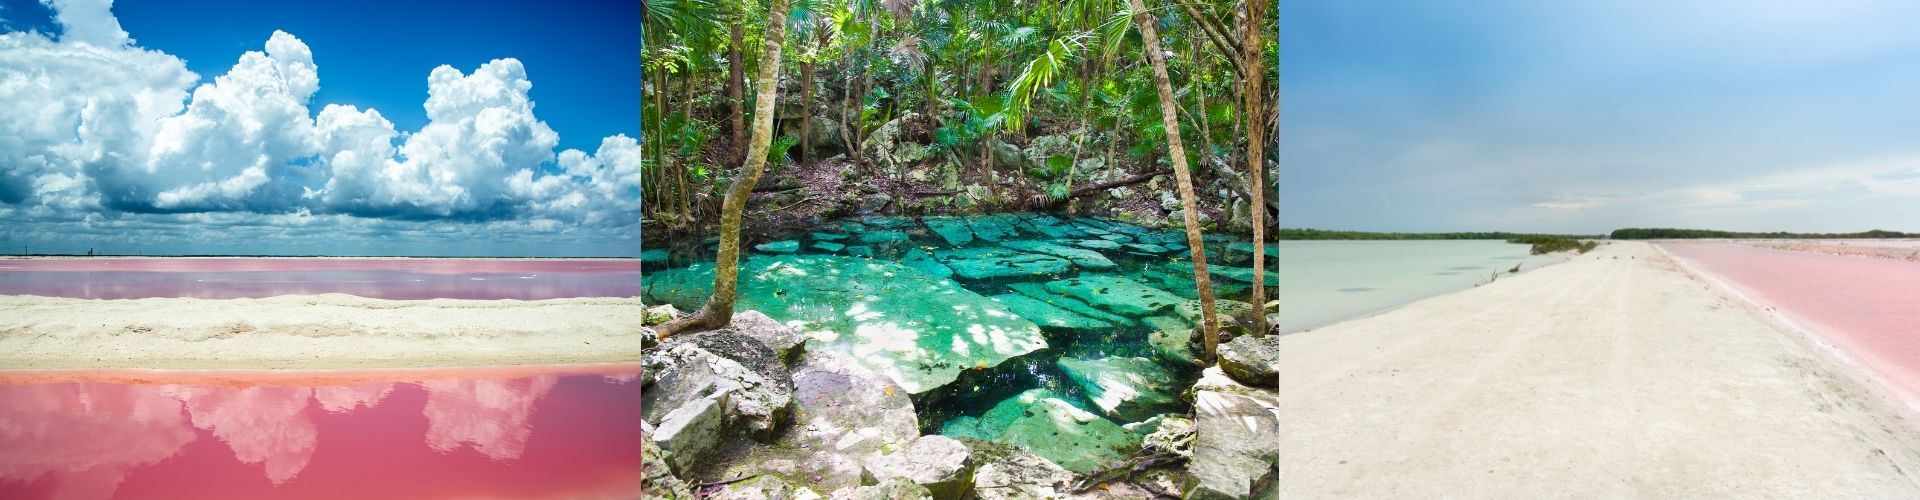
1586 116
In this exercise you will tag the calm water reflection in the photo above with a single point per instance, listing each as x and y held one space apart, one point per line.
513 433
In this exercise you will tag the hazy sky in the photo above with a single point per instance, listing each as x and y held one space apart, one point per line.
1586 116
338 128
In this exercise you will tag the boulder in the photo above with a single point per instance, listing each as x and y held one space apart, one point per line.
987 263
952 229
843 414
1236 429
1117 294
685 372
893 489
690 432
1042 423
1126 388
659 314
1044 314
1008 473
919 330
764 487
782 246
941 464
1171 435
657 480
874 203
1252 360
1084 258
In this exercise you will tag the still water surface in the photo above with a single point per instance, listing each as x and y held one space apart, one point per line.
535 432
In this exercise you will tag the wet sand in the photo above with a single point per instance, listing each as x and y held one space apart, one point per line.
1615 374
313 332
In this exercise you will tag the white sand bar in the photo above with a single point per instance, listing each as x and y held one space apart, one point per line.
313 332
1616 374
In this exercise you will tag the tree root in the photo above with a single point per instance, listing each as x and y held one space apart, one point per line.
707 318
1125 470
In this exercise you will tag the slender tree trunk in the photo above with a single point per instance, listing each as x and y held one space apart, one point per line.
1210 320
718 311
806 110
736 85
1256 156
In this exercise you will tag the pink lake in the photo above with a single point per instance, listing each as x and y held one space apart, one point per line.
547 432
1868 307
397 279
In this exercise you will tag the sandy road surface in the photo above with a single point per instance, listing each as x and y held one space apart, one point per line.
1615 374
313 332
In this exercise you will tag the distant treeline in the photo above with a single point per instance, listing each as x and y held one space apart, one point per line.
1543 243
1323 234
1662 233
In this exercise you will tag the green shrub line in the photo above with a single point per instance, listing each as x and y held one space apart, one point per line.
1661 233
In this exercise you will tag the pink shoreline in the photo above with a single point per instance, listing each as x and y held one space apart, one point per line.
1867 310
302 377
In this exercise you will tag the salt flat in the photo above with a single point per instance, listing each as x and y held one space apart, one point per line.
1615 374
313 332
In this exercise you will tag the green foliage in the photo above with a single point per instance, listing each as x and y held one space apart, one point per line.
777 151
1545 244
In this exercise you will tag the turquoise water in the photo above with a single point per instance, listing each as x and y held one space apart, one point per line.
970 313
1325 282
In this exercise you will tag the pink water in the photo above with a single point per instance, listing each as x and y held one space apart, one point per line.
1868 307
524 433
398 279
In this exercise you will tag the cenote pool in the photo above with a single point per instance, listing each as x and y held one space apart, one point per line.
526 432
974 314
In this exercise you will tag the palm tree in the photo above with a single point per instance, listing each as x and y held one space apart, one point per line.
1169 117
718 311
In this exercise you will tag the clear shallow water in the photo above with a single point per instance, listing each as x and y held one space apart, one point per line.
1325 282
463 433
1868 307
397 279
897 240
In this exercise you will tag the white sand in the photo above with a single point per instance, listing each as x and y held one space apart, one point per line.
1616 374
313 332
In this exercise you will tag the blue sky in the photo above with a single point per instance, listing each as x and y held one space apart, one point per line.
344 127
1584 117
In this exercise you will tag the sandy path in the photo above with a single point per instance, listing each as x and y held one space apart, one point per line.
1614 375
313 332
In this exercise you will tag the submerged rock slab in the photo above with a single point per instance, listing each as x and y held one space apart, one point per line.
1098 244
782 246
1117 294
1039 422
883 237
655 256
829 236
828 246
952 229
1126 388
895 320
994 227
1086 259
918 259
987 263
1039 292
1044 314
